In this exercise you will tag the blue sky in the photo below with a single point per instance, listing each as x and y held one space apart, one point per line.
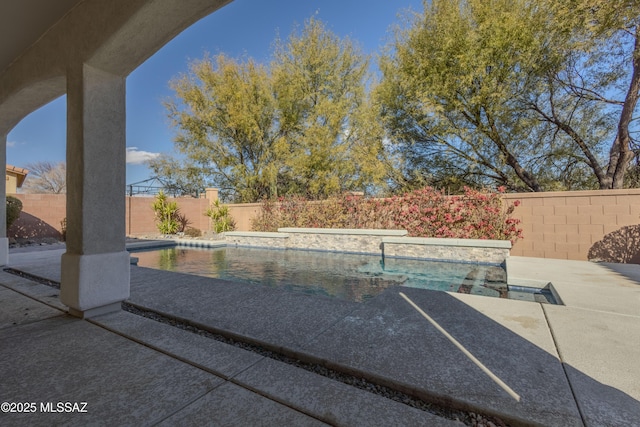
242 28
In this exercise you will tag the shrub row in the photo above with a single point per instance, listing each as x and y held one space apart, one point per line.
477 214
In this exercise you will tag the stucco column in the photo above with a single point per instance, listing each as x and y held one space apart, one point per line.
95 268
211 194
4 242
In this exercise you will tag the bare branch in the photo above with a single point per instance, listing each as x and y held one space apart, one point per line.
46 177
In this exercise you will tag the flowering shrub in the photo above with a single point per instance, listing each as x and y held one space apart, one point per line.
423 213
296 211
474 215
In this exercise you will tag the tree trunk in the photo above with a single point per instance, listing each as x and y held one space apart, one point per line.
620 154
525 176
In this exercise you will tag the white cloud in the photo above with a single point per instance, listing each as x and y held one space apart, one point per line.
138 157
11 144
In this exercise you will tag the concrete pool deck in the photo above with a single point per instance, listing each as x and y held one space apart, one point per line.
525 362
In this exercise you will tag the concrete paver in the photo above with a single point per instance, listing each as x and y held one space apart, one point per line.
43 263
523 318
323 398
18 309
231 405
75 361
83 373
221 359
37 291
390 340
582 284
385 339
332 401
601 353
272 317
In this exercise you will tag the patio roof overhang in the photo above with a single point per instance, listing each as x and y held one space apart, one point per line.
86 49
41 39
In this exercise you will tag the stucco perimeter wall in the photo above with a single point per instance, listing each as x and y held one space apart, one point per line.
566 225
563 225
243 213
42 215
141 218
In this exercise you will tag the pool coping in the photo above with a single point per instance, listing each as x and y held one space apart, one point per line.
347 231
435 241
263 234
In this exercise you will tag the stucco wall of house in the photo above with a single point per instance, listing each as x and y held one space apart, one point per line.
12 183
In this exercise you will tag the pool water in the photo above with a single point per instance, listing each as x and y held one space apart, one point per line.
346 276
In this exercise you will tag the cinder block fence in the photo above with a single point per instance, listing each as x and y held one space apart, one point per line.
42 215
563 225
567 225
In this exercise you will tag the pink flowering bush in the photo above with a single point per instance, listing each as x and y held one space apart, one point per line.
473 215
477 214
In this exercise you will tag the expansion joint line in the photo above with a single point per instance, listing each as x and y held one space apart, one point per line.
466 352
564 368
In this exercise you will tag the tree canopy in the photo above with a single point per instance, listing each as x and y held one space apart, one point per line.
46 177
533 95
302 124
526 94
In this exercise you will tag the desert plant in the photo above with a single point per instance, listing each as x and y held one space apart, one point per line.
166 214
221 218
182 220
14 207
192 232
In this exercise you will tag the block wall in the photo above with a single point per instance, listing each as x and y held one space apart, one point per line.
140 218
42 215
243 214
567 225
563 225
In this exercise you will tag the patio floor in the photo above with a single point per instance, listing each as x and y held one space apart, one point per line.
523 362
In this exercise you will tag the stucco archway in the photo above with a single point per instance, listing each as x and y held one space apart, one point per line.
88 54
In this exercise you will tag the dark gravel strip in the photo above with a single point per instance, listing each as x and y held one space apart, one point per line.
468 418
33 277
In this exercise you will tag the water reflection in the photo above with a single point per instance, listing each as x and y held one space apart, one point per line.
346 276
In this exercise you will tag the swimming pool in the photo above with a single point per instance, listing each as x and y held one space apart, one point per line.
346 276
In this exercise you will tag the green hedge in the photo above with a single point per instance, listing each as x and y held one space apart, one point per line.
14 207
